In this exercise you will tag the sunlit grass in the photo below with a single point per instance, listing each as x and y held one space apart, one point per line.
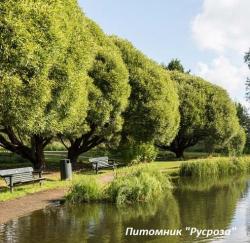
216 167
167 167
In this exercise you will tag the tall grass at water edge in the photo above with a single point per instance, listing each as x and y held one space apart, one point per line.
140 183
216 167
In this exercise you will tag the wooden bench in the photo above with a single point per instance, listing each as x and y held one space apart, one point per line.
101 163
17 176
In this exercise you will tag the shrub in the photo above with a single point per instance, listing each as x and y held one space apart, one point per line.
85 190
140 184
134 153
237 143
135 184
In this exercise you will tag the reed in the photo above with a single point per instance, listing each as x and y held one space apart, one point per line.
215 167
140 183
137 184
86 189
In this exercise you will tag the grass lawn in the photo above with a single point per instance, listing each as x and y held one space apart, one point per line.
53 180
53 176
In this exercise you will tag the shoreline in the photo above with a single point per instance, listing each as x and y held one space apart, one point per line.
13 209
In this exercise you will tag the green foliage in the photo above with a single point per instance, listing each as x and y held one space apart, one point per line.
215 167
133 152
222 120
46 51
55 146
247 61
237 143
130 185
11 158
153 105
244 120
175 65
140 184
108 95
44 54
109 89
85 189
207 114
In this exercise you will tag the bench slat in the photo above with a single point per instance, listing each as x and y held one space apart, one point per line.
99 159
19 176
15 171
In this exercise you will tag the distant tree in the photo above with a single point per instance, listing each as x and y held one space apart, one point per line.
207 114
244 119
247 60
44 52
152 113
175 65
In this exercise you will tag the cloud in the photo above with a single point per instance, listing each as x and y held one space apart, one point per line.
223 72
223 25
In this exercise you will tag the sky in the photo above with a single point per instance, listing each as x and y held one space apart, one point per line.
210 37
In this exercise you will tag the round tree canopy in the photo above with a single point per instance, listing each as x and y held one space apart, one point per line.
152 113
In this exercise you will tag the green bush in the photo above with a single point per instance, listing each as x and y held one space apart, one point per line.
215 167
237 143
134 153
140 184
85 190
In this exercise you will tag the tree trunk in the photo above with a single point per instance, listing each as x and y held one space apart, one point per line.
33 152
73 155
179 153
39 158
37 148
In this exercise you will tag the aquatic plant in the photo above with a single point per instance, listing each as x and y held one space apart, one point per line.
215 167
85 190
138 184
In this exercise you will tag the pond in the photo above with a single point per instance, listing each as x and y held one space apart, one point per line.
222 205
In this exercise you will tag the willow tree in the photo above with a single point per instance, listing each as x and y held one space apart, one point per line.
44 57
152 113
108 97
207 114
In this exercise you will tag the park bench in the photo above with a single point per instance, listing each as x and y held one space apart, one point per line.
17 176
101 163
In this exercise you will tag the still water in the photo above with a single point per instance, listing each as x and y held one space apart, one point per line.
223 204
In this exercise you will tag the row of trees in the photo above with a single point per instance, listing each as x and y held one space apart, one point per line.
62 78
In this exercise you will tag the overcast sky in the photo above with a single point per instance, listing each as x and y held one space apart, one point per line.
210 37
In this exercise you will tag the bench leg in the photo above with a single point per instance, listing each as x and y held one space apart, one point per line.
11 184
96 169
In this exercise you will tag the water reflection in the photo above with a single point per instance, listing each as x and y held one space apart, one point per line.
209 204
202 204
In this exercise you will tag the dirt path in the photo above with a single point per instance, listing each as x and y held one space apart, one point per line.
22 206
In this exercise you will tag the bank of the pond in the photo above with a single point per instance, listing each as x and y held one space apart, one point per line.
130 185
216 167
19 207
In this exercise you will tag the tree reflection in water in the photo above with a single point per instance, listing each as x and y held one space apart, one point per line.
200 204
